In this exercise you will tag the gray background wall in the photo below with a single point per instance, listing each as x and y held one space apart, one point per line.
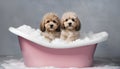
95 15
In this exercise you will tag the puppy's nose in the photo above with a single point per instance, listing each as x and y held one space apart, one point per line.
70 24
51 26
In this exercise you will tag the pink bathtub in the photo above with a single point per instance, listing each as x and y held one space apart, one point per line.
38 55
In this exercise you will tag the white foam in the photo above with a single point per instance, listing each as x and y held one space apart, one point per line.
19 64
33 35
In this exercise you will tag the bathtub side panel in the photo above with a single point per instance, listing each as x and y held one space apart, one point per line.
36 55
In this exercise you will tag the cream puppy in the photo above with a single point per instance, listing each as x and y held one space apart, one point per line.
70 27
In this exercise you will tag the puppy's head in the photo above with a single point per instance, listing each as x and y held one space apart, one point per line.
70 21
50 22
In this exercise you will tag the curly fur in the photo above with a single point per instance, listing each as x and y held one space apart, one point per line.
50 26
70 26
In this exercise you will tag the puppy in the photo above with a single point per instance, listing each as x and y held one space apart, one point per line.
70 26
50 26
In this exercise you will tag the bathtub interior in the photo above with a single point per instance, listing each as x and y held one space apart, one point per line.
33 35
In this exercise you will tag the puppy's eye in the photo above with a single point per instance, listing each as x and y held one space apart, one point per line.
54 21
48 21
66 20
73 19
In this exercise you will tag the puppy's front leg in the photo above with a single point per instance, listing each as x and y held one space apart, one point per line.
48 39
63 36
71 37
47 36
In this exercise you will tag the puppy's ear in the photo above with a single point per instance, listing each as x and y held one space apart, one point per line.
58 29
78 27
42 26
62 24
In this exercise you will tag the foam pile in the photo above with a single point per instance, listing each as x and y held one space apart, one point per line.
33 35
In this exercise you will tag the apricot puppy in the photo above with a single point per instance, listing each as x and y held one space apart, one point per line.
50 26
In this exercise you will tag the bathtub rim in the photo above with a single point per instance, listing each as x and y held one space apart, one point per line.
21 34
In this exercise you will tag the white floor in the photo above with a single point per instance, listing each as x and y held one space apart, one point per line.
10 62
